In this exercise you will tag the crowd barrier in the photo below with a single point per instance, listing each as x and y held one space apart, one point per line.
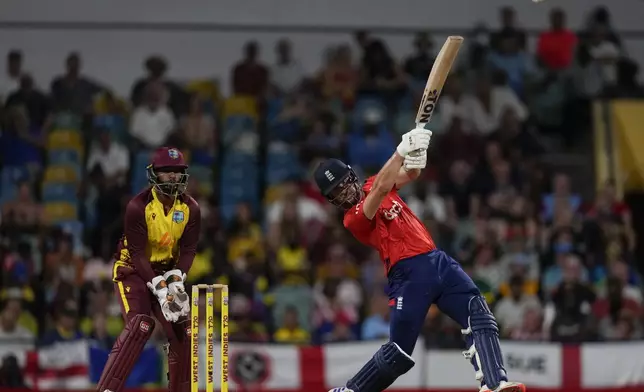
543 367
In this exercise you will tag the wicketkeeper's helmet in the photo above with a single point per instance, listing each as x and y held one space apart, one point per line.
168 160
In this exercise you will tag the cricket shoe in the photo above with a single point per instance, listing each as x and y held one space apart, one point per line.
505 386
341 389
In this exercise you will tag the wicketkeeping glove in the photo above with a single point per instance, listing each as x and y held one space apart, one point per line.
414 140
159 288
175 279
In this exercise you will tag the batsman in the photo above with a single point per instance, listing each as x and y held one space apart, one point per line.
161 231
419 274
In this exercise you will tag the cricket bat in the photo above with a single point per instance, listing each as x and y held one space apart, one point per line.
437 78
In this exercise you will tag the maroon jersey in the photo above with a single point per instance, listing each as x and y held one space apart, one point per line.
156 240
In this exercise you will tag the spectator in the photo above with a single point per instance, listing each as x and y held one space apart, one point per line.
427 203
561 197
460 198
245 237
566 265
380 74
18 266
111 158
598 58
339 77
487 269
509 29
22 141
290 330
287 74
250 76
418 65
72 91
10 80
198 127
510 311
556 47
152 122
336 290
516 65
615 310
66 325
376 324
307 210
11 374
24 212
456 103
36 103
10 329
62 266
171 94
491 101
571 306
531 328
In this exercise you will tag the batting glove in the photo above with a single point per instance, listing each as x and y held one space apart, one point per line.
416 160
159 288
414 140
175 279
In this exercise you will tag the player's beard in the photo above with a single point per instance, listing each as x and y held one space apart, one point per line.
348 197
174 188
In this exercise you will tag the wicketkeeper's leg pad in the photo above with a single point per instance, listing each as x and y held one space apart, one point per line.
179 358
484 351
125 353
389 363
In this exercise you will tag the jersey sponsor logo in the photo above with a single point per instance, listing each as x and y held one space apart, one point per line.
393 212
399 303
166 240
178 216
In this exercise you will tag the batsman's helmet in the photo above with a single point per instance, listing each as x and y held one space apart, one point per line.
168 160
338 183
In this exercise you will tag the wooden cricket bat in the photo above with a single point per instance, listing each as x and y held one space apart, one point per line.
437 78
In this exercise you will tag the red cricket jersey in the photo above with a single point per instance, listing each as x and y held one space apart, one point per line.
394 231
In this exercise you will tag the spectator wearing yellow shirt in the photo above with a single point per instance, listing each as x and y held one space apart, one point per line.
245 235
290 331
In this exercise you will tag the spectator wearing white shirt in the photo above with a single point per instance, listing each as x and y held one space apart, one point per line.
482 111
10 80
287 73
510 310
153 121
10 330
111 158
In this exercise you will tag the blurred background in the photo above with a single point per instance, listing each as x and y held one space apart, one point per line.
534 183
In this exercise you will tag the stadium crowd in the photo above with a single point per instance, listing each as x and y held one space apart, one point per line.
554 264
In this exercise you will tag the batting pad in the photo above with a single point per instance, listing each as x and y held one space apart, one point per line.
389 363
126 352
485 349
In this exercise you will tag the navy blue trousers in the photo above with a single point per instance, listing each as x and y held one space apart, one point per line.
418 282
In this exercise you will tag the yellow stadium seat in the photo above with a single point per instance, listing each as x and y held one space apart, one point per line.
241 105
60 211
208 89
61 174
65 139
